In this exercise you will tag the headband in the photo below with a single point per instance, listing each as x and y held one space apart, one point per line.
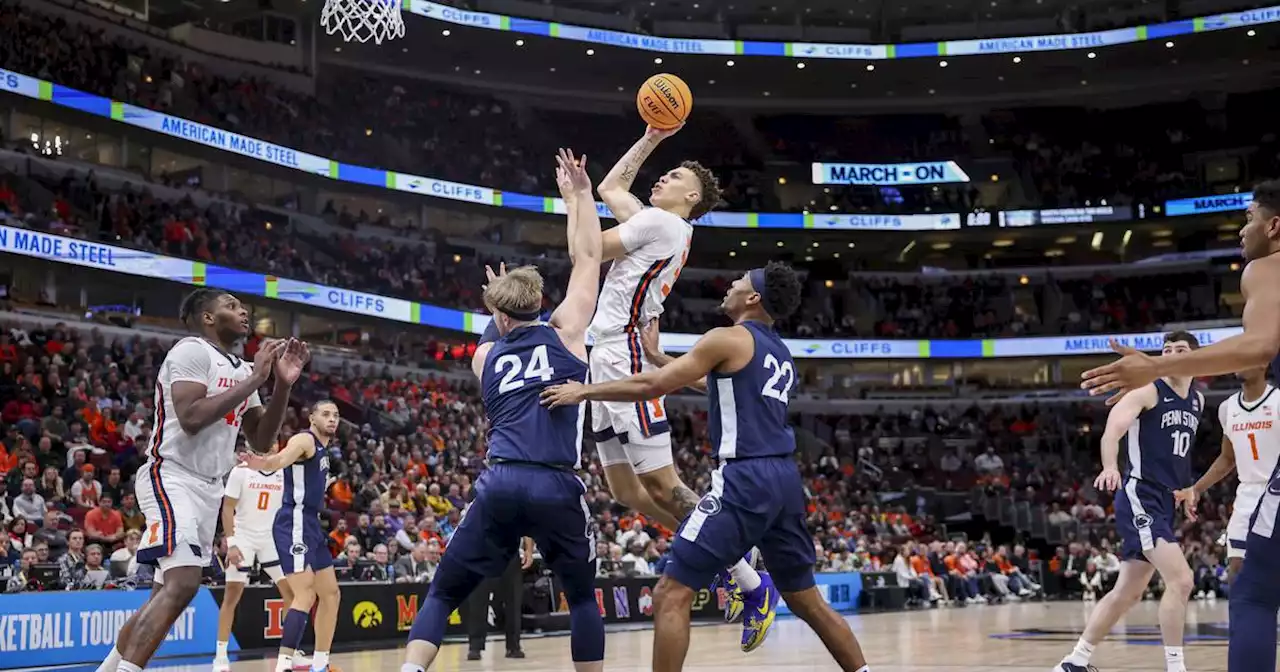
757 278
529 316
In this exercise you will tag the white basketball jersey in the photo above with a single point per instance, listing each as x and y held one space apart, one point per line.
1254 432
258 498
657 244
211 453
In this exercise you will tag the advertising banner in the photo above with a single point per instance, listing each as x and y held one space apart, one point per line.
937 172
41 630
1202 204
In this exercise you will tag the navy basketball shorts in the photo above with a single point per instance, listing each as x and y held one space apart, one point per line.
754 502
300 542
524 500
1144 515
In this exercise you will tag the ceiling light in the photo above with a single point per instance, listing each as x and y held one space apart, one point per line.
657 61
800 65
1161 233
591 52
1168 45
519 43
445 32
1092 55
1065 240
942 64
941 246
1251 32
1017 59
1003 242
1053 252
871 67
729 63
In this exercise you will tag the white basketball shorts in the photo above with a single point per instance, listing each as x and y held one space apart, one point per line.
255 548
1247 496
627 433
181 511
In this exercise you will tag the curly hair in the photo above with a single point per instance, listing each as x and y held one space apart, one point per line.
782 290
709 195
197 302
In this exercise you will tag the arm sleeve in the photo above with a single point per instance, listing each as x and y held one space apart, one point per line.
189 362
644 228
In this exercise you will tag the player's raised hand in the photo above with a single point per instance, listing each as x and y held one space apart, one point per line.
566 394
571 175
268 352
291 361
490 276
1133 370
1107 481
1188 498
662 134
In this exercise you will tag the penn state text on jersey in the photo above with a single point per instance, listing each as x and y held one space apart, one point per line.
519 366
1158 444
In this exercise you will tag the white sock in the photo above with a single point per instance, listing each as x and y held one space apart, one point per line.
284 663
112 661
222 651
320 660
126 666
864 668
1081 654
410 667
747 578
1173 659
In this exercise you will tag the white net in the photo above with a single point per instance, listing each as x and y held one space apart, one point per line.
363 20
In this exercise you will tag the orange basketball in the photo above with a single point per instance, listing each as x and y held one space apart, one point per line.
664 101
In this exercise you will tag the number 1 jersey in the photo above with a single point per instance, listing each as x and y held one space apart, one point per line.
1158 444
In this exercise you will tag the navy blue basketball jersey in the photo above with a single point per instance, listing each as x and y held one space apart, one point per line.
748 415
304 480
517 369
1159 441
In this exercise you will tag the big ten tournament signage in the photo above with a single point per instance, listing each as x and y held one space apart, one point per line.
367 612
41 630
630 600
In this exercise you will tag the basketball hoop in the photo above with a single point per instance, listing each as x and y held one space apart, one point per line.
363 20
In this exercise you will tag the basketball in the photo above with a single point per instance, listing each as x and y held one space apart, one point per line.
664 101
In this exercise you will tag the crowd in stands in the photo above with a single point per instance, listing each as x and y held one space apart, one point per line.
76 409
470 137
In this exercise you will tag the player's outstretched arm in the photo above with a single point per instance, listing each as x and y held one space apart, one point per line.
615 188
712 350
650 342
1119 420
1257 346
572 316
193 407
300 446
261 427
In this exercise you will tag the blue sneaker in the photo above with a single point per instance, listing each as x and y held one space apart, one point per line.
760 606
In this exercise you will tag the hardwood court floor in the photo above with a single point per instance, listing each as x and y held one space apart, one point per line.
1029 637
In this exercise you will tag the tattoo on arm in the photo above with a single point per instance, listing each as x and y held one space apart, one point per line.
684 499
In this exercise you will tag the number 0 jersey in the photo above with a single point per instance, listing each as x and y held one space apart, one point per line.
748 416
258 496
517 369
1254 432
211 452
1158 445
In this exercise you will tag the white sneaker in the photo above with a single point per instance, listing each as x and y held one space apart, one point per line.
301 661
221 665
